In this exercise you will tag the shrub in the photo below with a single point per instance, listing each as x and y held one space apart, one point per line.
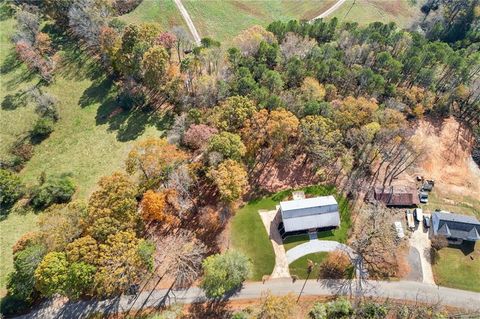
53 191
336 266
439 242
11 190
318 311
42 128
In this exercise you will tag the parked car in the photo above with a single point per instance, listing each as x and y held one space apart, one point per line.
410 220
399 229
428 185
426 221
418 213
423 197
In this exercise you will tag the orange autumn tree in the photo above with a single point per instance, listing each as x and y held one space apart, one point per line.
160 207
152 159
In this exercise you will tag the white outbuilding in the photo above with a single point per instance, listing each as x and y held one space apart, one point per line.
310 213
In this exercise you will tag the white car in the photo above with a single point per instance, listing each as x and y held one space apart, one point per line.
399 229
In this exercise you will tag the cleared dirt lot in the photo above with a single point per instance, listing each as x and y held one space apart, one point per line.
447 160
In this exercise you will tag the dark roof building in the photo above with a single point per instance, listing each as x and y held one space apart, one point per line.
310 213
456 226
398 196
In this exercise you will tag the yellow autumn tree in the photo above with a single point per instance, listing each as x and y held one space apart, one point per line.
151 159
231 180
160 207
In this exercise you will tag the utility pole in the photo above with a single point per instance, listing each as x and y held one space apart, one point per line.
310 266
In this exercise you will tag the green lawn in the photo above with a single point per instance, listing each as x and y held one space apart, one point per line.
455 269
402 12
90 140
452 203
249 235
224 19
299 267
163 12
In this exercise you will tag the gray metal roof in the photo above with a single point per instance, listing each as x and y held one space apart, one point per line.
456 226
317 212
308 203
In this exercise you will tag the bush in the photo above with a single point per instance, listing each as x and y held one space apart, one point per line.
336 266
42 128
318 311
11 190
53 191
439 242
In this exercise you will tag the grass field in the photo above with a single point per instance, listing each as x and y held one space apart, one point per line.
456 269
452 203
91 138
249 235
402 12
163 12
299 267
222 19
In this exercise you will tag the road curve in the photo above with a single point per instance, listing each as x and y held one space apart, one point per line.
329 11
188 20
400 290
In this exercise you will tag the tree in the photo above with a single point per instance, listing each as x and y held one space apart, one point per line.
21 281
439 242
58 10
354 112
273 81
335 266
56 190
277 307
233 112
229 145
296 45
60 225
119 264
42 128
312 90
321 139
83 249
198 135
180 255
12 190
154 67
79 279
231 180
153 158
114 198
160 207
86 19
225 272
248 41
51 274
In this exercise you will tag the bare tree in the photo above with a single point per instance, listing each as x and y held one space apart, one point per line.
86 19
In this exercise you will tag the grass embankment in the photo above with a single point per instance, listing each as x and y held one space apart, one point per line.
90 140
458 267
249 235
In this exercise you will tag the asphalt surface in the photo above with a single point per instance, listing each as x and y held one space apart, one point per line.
401 290
415 273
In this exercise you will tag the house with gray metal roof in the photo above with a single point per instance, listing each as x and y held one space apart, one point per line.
309 213
455 226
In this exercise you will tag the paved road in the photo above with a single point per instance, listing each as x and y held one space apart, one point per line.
402 290
329 11
189 21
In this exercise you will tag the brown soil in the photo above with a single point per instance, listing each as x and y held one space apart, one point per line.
447 160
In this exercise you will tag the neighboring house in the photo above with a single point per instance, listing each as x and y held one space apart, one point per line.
455 226
395 196
302 215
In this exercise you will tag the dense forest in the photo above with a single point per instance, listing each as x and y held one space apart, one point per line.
342 98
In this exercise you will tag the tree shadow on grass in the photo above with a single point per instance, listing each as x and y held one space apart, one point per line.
129 124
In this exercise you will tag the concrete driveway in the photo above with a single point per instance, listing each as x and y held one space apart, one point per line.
420 241
316 246
271 220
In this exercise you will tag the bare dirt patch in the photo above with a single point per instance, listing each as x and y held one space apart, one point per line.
448 160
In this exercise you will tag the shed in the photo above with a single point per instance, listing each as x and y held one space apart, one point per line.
310 213
396 196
